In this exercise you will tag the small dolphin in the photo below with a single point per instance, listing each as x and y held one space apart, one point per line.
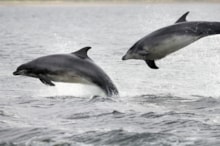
76 67
167 40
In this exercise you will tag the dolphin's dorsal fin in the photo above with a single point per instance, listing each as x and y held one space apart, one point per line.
82 53
182 18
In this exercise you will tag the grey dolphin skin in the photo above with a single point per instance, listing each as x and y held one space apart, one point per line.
76 67
167 40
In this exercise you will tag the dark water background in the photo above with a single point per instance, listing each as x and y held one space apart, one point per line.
176 105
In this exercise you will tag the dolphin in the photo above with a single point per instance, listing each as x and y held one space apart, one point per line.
75 67
167 40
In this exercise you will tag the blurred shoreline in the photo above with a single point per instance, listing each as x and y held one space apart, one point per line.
98 2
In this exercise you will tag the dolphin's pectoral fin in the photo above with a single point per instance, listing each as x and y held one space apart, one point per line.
182 18
45 80
151 64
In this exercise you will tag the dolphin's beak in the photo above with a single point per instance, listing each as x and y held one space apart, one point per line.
19 72
124 57
16 73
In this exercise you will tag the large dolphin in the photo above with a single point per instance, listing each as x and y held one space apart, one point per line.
76 67
167 40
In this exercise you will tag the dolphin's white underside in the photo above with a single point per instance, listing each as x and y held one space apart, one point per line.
69 78
170 45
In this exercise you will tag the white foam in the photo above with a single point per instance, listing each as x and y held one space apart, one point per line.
67 89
